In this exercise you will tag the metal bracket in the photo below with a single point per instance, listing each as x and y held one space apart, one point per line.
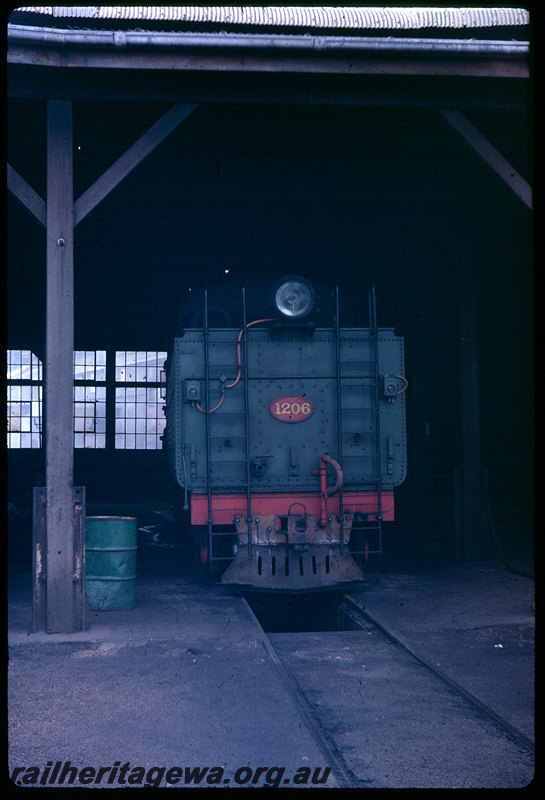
298 527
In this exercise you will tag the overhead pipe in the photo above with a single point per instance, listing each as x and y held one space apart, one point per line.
120 40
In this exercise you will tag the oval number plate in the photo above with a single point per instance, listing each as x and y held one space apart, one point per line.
291 408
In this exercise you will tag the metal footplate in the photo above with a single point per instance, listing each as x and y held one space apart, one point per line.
282 567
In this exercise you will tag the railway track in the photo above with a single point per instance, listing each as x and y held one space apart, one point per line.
383 715
354 612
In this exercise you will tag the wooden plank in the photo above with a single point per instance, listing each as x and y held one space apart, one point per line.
59 368
80 601
489 154
24 192
39 559
130 159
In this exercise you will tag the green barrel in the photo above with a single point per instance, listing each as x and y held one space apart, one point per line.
110 562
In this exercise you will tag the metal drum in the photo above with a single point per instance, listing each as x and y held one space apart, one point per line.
111 562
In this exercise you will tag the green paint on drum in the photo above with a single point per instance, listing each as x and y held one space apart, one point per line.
110 562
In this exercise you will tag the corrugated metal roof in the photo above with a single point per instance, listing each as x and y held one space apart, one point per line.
319 40
312 17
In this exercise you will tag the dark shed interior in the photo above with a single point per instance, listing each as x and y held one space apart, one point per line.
352 193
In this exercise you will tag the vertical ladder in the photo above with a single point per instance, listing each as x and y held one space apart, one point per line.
369 384
245 485
373 331
206 344
339 411
245 383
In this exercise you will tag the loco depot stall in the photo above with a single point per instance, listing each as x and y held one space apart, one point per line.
153 88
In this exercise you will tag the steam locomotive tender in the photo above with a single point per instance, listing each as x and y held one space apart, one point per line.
285 432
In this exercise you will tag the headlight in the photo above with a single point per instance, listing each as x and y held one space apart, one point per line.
294 297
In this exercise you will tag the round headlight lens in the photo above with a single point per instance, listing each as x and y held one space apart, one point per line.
294 298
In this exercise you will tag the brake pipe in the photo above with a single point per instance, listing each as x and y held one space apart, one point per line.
239 364
239 339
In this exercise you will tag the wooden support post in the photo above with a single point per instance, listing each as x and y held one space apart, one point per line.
489 154
27 196
39 570
130 159
61 615
59 592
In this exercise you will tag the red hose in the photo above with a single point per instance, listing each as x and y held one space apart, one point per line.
326 491
239 361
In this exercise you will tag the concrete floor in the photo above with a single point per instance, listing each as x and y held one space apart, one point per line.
185 680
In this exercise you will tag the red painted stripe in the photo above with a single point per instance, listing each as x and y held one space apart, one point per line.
226 506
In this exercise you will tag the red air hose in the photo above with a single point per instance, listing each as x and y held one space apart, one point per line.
239 361
325 490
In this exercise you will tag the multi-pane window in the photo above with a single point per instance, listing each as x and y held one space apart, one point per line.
23 365
90 365
139 366
90 416
24 399
139 417
89 399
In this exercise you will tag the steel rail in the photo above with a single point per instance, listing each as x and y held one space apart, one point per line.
323 739
330 751
359 616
